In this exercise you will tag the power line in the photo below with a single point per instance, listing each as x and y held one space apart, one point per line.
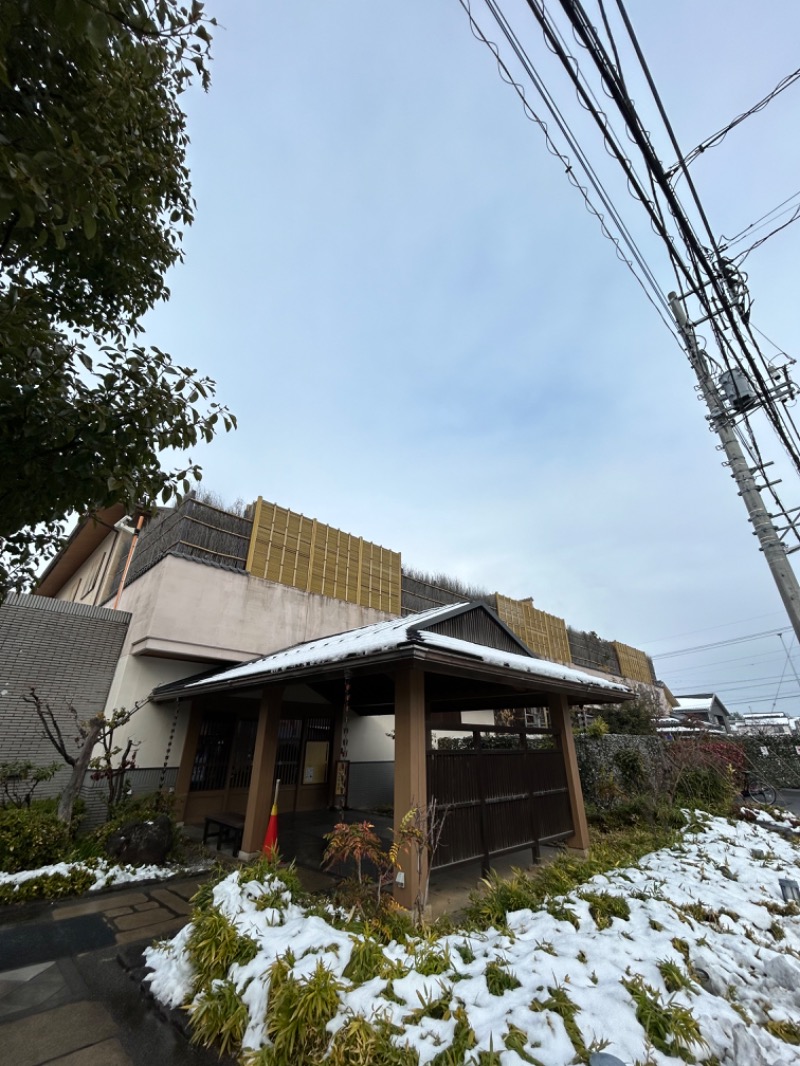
748 661
718 644
706 629
728 242
657 298
720 135
783 672
793 218
749 682
699 253
702 272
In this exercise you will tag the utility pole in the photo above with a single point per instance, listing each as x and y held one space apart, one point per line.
721 421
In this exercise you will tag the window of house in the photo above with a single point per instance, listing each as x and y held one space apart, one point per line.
210 768
537 718
95 575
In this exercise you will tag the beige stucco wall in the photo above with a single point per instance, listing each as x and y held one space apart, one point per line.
368 740
371 738
150 726
89 582
189 610
187 617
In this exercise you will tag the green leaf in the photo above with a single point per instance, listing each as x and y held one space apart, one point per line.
89 225
98 210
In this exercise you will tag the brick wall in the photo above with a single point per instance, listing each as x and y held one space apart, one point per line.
66 651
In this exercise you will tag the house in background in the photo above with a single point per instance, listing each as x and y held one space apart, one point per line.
703 709
209 587
770 723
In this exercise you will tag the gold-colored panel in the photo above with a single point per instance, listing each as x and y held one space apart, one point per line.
634 664
298 551
544 633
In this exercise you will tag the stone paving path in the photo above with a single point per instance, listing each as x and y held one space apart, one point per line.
136 913
71 972
80 1007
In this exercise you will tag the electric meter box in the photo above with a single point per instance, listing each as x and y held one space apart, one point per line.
738 390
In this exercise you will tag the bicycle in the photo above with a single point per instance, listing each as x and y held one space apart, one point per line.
756 789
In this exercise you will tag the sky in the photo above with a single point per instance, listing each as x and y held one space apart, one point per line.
428 341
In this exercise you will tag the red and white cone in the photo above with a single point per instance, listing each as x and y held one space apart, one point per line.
270 847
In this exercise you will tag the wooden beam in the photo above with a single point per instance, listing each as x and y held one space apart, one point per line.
410 774
259 798
489 703
562 727
186 766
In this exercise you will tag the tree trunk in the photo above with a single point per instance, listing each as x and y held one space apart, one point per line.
69 795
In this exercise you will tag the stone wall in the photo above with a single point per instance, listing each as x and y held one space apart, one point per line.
68 653
776 759
780 766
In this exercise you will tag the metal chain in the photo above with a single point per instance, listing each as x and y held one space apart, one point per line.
345 717
168 752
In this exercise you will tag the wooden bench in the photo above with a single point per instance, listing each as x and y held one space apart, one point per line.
226 827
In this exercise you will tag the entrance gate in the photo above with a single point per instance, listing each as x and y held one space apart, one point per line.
498 799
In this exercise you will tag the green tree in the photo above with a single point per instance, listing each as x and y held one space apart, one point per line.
635 718
94 198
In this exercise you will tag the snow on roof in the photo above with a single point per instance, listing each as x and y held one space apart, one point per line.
393 634
694 703
766 716
690 729
538 667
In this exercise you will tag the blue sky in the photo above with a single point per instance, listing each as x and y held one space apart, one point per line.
427 340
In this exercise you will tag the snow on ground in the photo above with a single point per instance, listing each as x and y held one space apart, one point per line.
714 900
104 873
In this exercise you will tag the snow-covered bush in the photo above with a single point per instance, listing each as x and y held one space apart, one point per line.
690 955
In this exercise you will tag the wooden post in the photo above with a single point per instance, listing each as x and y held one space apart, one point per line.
336 748
184 779
259 798
562 725
410 776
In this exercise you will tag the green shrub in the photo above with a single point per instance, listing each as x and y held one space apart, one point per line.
705 787
630 767
361 1041
48 886
673 976
670 1027
214 946
297 1014
605 906
19 780
265 868
31 837
559 1002
367 960
638 810
500 979
598 727
562 875
219 1017
705 773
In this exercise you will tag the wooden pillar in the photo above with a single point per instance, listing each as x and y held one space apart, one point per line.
184 779
262 779
562 724
336 749
410 774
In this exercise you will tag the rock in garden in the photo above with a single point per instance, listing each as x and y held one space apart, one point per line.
142 842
